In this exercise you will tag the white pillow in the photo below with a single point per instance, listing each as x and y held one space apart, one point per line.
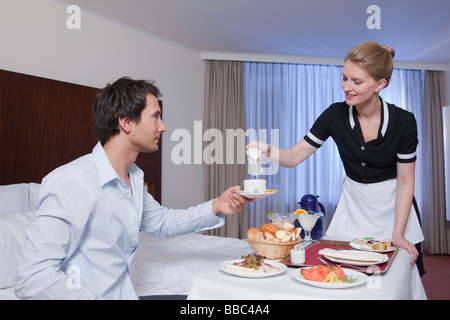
20 197
13 228
14 198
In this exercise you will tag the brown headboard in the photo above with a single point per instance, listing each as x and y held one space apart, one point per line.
46 123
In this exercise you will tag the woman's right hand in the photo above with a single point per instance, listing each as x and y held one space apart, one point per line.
285 157
264 147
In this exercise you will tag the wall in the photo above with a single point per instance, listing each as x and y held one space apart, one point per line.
35 40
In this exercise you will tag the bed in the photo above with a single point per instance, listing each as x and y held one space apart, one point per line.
160 268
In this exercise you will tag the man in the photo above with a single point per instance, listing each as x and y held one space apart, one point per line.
85 231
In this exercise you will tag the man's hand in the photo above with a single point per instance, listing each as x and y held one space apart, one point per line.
230 202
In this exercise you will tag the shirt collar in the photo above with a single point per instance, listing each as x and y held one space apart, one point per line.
385 119
104 167
384 116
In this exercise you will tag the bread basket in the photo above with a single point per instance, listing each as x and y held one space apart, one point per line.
272 250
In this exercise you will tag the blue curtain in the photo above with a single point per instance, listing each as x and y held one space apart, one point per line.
406 90
282 102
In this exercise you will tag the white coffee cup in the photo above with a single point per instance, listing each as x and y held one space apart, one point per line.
255 185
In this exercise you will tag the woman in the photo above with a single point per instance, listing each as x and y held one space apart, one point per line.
377 143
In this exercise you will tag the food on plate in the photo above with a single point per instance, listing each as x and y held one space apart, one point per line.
382 245
371 244
326 274
252 263
271 190
272 232
240 269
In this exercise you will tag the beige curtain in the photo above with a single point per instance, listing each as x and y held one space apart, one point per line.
224 138
437 227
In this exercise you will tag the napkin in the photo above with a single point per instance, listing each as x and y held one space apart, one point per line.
353 255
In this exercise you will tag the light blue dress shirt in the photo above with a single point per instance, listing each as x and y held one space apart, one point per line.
85 232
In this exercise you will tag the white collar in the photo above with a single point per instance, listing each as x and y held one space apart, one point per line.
385 117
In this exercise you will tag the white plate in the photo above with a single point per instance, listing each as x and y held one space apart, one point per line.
358 246
361 278
252 195
358 263
279 265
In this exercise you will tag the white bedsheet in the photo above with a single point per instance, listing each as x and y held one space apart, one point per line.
168 267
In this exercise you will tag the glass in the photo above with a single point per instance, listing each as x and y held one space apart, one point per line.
307 222
280 219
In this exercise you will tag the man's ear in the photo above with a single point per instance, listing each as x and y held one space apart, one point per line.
124 124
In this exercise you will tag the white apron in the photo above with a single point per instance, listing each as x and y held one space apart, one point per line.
368 210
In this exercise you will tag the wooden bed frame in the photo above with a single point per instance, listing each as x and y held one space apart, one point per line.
46 123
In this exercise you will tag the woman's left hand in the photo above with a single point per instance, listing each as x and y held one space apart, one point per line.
402 243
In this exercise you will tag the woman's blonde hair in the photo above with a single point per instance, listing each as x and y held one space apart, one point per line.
375 59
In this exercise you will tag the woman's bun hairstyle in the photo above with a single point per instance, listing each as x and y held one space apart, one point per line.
376 59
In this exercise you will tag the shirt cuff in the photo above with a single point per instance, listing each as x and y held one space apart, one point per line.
214 221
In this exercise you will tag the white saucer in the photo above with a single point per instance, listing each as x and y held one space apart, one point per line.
252 195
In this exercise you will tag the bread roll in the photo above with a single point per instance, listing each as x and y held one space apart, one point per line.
269 235
252 233
280 234
295 233
273 228
283 236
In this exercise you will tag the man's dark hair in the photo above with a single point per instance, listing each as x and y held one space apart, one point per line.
125 98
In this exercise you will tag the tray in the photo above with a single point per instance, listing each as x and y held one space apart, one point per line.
312 257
